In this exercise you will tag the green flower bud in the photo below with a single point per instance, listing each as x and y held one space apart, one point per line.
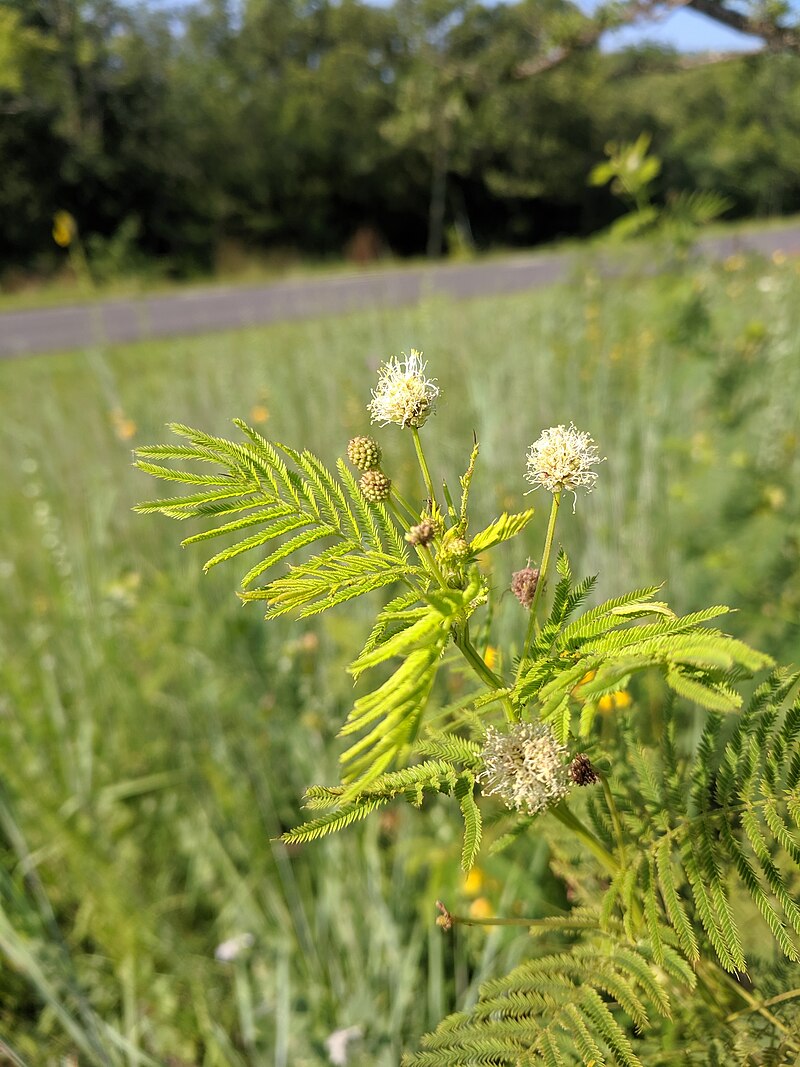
455 549
364 453
375 486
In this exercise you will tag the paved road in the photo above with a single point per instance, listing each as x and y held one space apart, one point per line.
223 308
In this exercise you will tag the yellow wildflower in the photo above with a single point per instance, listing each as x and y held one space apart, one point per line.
473 882
65 229
481 908
618 701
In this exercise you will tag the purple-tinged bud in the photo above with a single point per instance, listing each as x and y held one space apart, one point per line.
523 585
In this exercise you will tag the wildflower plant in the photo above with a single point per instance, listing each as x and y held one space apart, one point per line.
671 851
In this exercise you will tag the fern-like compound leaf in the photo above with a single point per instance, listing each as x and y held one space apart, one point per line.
726 820
291 502
568 1007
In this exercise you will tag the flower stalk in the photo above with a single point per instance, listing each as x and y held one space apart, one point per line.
423 463
548 547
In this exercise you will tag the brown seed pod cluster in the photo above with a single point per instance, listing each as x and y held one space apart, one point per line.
421 534
581 770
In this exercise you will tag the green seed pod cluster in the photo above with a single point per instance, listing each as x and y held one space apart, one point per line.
375 486
364 453
455 549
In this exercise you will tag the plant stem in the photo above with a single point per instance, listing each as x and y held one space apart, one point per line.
703 967
548 545
461 920
481 668
401 500
614 813
596 847
396 512
426 474
790 994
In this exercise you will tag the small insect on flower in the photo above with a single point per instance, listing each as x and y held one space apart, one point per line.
525 767
561 459
404 395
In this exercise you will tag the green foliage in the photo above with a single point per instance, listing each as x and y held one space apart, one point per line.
631 173
569 1007
676 845
390 126
729 815
255 480
579 662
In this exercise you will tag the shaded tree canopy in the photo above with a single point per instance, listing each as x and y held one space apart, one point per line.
297 124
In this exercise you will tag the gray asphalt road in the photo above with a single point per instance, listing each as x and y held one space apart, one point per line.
222 308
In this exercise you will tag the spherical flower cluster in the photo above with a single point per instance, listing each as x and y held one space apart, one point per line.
560 459
375 486
525 767
404 395
364 453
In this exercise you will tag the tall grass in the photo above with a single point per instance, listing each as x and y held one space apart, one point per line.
155 737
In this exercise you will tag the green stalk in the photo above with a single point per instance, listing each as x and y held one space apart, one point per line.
461 920
426 474
401 500
595 846
615 819
481 668
711 974
548 545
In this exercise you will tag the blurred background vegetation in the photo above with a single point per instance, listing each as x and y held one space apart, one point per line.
191 137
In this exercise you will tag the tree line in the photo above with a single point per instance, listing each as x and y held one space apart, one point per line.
332 127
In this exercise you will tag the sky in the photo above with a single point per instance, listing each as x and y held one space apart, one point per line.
685 30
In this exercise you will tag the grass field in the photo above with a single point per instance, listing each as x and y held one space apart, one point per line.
156 737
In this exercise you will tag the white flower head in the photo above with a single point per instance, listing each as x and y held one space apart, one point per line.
336 1044
404 395
232 949
525 767
561 459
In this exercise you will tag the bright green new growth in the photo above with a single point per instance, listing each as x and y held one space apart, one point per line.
675 841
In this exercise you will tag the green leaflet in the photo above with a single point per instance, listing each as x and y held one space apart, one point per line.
432 776
389 717
292 502
502 529
601 649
